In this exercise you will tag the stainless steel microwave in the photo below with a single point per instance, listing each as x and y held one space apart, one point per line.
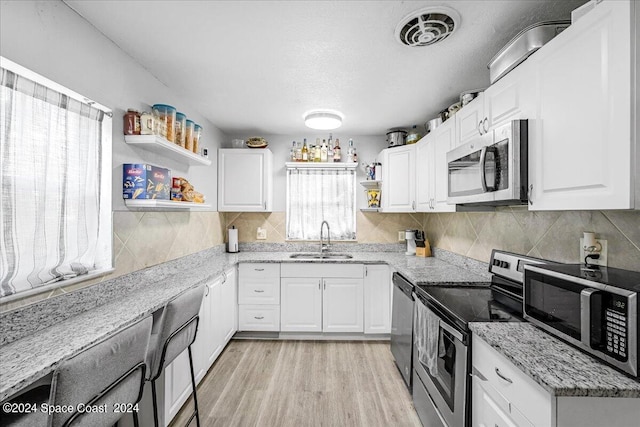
492 169
595 310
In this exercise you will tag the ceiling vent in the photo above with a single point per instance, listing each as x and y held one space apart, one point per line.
427 26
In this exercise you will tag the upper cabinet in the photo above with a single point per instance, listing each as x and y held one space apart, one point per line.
245 180
432 180
398 181
583 149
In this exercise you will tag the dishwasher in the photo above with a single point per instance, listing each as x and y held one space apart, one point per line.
402 326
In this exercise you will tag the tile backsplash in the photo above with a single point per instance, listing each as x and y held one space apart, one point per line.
143 239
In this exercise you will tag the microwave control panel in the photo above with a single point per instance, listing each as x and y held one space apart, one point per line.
616 328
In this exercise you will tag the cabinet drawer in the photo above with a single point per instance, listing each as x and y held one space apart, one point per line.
531 400
259 290
259 318
322 270
259 270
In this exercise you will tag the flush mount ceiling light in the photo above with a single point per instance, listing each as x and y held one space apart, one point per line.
427 26
323 119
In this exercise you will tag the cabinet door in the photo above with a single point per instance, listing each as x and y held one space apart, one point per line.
301 304
581 150
398 184
244 180
229 305
203 337
343 305
377 299
468 121
216 334
444 138
489 409
512 97
423 174
177 385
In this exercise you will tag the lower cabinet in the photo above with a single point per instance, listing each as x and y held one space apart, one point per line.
217 324
503 395
377 299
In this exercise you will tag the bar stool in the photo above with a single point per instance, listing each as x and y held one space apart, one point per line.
174 332
111 372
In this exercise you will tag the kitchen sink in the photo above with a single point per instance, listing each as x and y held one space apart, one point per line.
320 256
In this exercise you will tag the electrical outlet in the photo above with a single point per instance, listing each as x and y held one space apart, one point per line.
401 236
261 234
602 261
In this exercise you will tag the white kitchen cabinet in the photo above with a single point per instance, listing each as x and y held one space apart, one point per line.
503 395
177 385
398 181
301 307
322 298
583 144
469 120
230 304
245 180
259 297
377 299
343 305
432 180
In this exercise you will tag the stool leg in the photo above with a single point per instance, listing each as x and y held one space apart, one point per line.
155 403
193 384
136 423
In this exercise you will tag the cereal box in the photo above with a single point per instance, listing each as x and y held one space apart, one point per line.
142 181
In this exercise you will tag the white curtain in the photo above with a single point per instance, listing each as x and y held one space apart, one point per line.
52 215
316 195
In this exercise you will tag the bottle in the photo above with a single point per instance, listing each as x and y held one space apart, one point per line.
355 155
292 152
312 153
330 148
337 152
323 151
298 152
318 153
350 151
305 151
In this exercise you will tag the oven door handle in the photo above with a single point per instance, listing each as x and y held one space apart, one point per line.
444 325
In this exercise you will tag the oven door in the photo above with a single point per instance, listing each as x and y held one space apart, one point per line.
448 387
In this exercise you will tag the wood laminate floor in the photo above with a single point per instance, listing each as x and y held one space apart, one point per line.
303 383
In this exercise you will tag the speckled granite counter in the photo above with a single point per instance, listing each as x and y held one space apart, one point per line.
35 339
556 366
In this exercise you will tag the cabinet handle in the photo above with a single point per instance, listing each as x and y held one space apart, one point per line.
224 277
366 271
259 269
265 206
258 317
413 205
530 194
324 285
503 377
319 285
208 290
485 125
258 290
479 128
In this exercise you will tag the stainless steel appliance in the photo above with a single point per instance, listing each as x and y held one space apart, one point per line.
402 326
492 169
596 310
444 397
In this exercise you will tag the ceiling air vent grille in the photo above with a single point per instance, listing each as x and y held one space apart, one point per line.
427 26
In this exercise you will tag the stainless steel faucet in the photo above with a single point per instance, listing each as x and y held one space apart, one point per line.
324 247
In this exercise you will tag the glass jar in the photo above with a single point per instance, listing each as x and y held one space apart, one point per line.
166 115
189 135
197 133
181 123
131 125
147 124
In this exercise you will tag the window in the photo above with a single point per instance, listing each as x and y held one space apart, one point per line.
321 194
55 183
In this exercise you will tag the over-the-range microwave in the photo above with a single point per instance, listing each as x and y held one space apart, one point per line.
491 169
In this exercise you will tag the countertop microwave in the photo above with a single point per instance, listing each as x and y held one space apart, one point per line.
596 310
491 169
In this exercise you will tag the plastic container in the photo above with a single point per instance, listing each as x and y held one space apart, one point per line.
181 124
166 115
197 133
189 131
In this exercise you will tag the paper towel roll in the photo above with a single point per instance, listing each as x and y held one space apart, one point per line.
232 245
589 239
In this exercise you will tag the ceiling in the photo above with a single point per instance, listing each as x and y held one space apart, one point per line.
256 67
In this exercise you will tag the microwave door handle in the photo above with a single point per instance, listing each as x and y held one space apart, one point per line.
496 159
483 172
585 315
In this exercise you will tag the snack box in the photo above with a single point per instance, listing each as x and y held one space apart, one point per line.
142 181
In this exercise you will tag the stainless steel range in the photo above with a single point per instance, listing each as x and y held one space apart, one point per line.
441 391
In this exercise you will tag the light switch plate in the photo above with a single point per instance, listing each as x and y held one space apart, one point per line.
261 234
603 253
401 236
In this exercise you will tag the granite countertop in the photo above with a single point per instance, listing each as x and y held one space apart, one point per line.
34 340
559 368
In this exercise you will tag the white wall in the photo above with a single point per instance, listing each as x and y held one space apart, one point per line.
367 148
51 39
